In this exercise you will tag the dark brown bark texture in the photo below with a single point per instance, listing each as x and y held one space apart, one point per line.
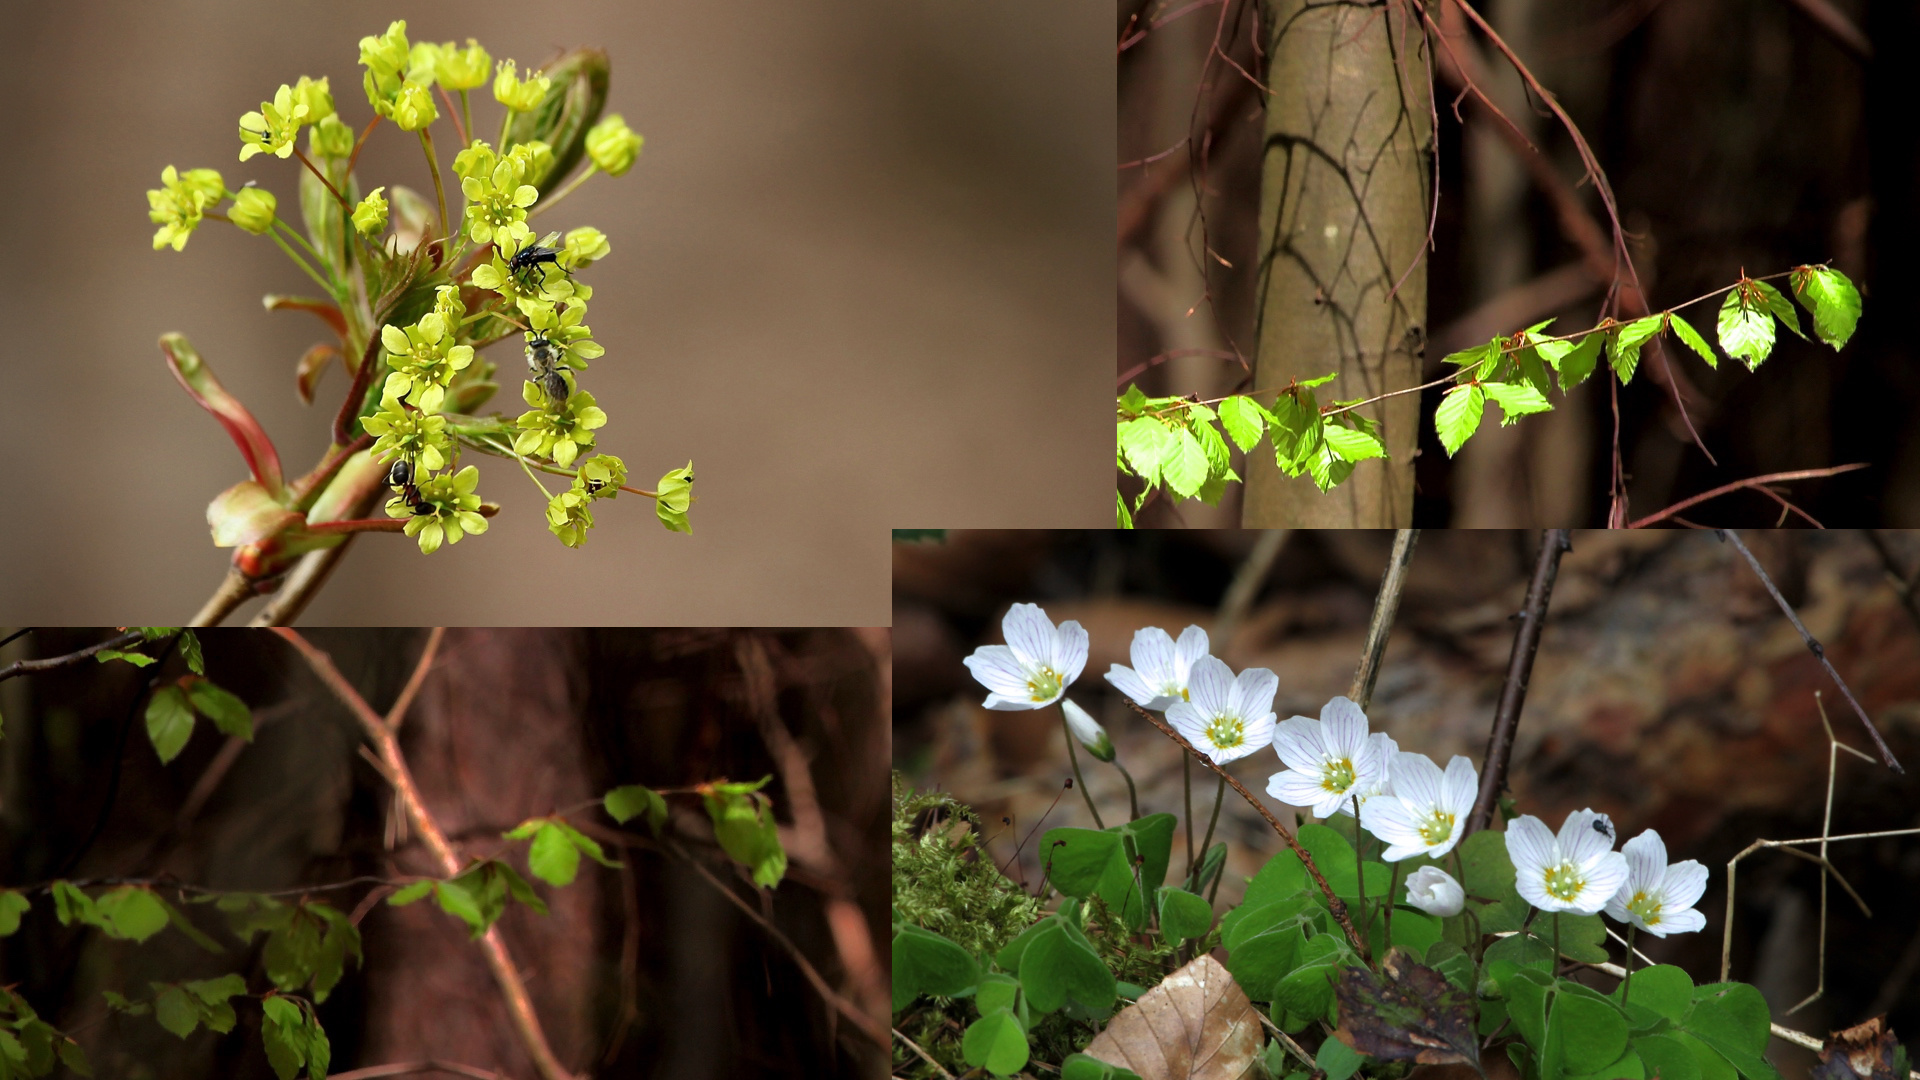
642 972
1668 691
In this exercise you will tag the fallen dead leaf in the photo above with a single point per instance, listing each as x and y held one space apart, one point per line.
1867 1051
1196 1025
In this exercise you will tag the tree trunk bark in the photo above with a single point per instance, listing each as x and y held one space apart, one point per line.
1343 219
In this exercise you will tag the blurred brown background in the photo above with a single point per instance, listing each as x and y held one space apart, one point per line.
1669 692
859 276
1735 133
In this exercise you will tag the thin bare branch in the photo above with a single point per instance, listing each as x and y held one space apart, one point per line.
1513 695
405 701
1750 482
1385 606
372 1071
29 667
1813 646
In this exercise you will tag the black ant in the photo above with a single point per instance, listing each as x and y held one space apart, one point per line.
400 479
533 255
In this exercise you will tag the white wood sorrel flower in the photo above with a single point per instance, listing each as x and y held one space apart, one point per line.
1658 898
1087 730
1161 668
1577 871
1223 717
1036 664
1329 761
1427 811
1434 891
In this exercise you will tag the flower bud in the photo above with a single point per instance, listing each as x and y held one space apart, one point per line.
613 145
1087 730
413 109
675 495
515 94
562 118
462 69
330 139
586 245
423 62
317 97
370 217
1434 891
385 58
253 210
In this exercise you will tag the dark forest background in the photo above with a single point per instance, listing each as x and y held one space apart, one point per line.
1737 134
1669 692
641 972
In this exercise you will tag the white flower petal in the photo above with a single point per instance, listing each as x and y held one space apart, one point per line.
1082 724
1646 862
1460 788
1296 788
1386 817
1030 634
1416 779
1580 842
1128 681
1192 646
1601 882
1530 847
1253 692
1297 740
1683 884
1013 704
1070 651
1211 686
1153 656
1346 728
1679 922
998 670
1188 722
1259 734
1434 891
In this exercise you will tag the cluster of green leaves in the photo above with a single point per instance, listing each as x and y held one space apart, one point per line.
743 823
1173 442
171 709
181 1007
29 1046
554 855
307 942
943 881
129 912
477 896
294 1037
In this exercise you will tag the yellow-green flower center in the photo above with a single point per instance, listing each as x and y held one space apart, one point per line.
1564 882
1337 776
1044 684
1226 732
1646 907
1437 827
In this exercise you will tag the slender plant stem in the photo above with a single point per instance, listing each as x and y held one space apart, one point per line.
1393 886
1513 695
1360 876
544 204
322 177
1219 795
466 113
512 988
433 166
302 263
1754 482
1626 985
1556 945
1078 780
1186 792
506 122
1385 606
1133 797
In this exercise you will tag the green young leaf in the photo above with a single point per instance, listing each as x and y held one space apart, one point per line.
1184 915
175 1010
1624 343
169 722
1482 358
1327 468
1779 306
587 845
134 658
926 963
1746 328
1352 444
1832 301
119 1003
74 1058
1133 402
1338 1060
13 904
1058 967
190 652
1458 416
412 892
553 858
1244 420
1516 400
1122 519
1183 463
455 900
131 912
625 803
180 922
227 712
1213 445
1144 443
996 1042
1684 330
743 824
214 991
1574 362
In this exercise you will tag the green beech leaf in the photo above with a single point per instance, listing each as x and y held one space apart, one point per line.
1143 441
1244 420
74 1058
552 857
1684 330
1516 400
1352 444
13 904
1184 915
131 912
1624 344
1578 361
1458 416
411 893
1134 401
455 900
190 652
996 1042
227 712
1213 445
1783 310
1122 519
169 722
587 845
1183 463
1832 301
175 1010
134 658
1746 330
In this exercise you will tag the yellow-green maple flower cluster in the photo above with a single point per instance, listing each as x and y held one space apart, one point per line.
179 203
498 192
370 217
424 359
252 210
516 94
454 510
612 145
419 437
557 430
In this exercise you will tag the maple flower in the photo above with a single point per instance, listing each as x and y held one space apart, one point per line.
1577 871
1656 897
1036 664
1087 730
1223 717
1434 891
1160 670
1427 812
1330 761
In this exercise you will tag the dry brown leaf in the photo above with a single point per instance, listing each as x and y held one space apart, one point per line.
1196 1025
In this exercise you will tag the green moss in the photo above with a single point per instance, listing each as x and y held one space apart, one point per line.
943 882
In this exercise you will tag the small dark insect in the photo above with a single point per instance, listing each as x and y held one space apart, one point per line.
400 479
401 474
534 255
1601 826
543 361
